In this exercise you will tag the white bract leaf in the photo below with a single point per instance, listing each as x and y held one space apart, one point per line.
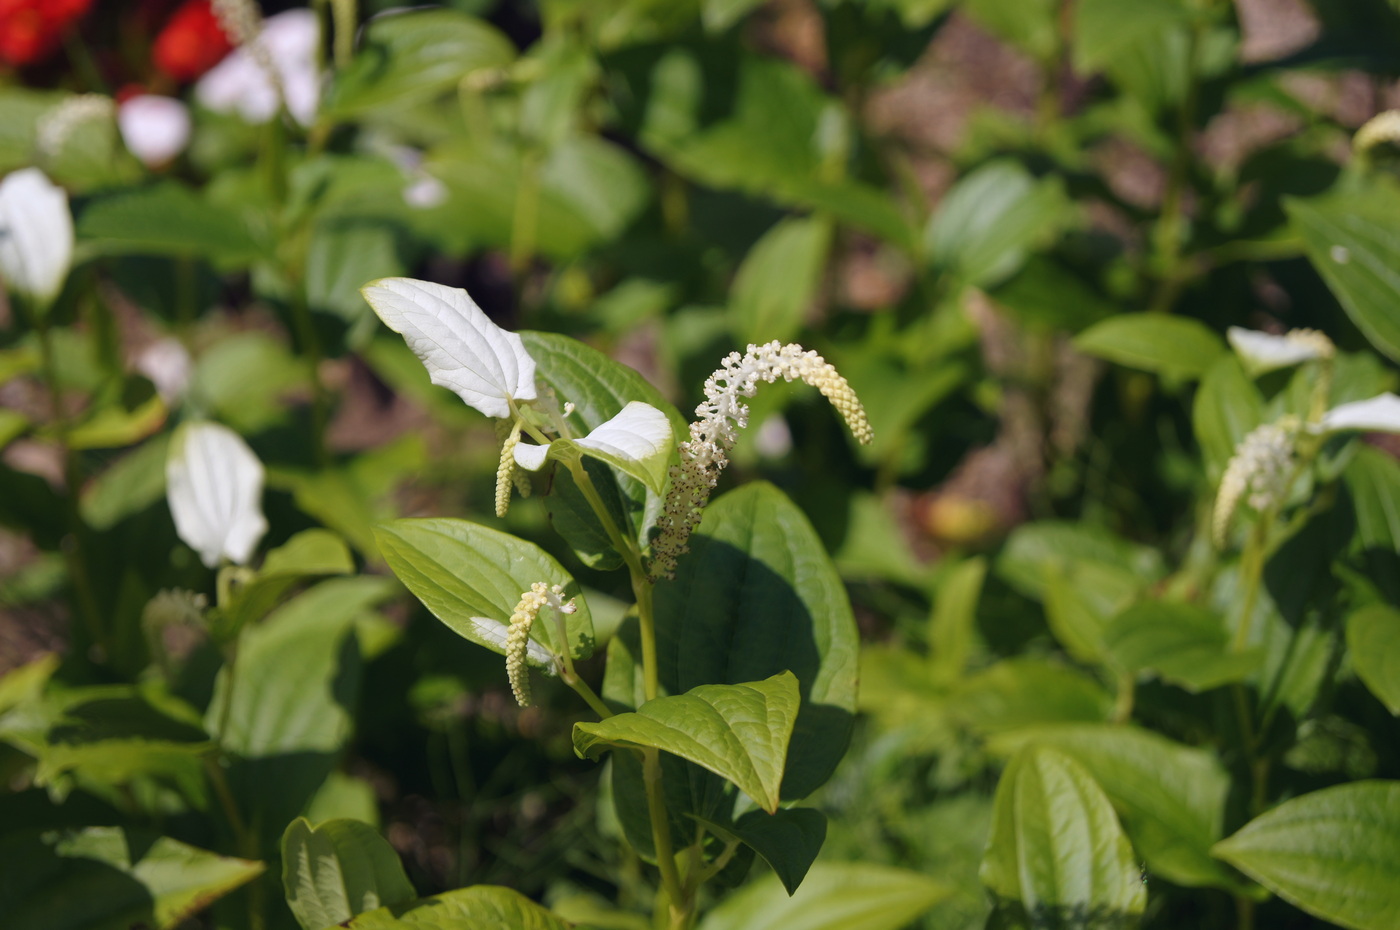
493 633
1264 352
214 487
154 128
1380 414
638 441
241 83
36 235
462 349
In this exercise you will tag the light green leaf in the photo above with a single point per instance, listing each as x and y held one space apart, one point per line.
777 280
835 896
338 870
1056 848
1171 797
1028 692
1081 597
1181 643
166 219
1373 478
102 878
1354 243
25 683
953 620
1176 346
1334 853
308 554
1373 638
480 907
413 55
719 15
460 571
739 732
1106 31
991 218
1035 550
117 425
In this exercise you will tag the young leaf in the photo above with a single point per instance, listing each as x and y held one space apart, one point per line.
1354 243
480 907
1373 638
1169 345
340 869
462 571
1056 848
739 732
1335 853
1265 352
835 896
1183 644
1379 414
462 349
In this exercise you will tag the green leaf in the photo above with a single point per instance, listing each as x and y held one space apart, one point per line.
480 907
719 15
788 840
987 223
777 280
461 571
1081 597
1175 346
1227 407
835 896
1373 638
1171 797
1181 643
116 425
413 55
1373 478
1028 692
308 554
1354 243
739 732
953 620
26 682
1334 853
338 870
1106 31
1056 848
757 595
1036 550
342 255
166 219
637 442
102 878
242 378
130 485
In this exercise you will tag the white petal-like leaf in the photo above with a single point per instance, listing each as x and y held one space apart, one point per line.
638 441
495 632
214 487
36 235
458 344
1264 352
1380 414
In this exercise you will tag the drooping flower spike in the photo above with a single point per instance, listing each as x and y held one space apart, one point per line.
715 431
518 643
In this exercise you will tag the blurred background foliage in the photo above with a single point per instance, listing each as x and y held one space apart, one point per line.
947 199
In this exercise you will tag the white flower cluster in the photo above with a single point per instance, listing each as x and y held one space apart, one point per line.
1258 469
716 430
522 619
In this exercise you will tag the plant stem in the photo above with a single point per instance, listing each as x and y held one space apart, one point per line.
679 906
571 677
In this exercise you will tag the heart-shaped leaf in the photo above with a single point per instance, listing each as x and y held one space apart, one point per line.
338 870
739 732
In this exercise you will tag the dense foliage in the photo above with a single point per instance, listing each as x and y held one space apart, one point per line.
1087 615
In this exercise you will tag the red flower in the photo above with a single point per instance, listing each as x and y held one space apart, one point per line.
191 43
30 30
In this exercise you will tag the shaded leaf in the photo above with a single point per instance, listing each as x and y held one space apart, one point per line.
1373 638
339 869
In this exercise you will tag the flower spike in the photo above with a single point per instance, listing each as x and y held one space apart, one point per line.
522 619
1259 469
715 431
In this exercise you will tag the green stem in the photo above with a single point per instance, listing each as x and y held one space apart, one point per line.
678 905
570 676
1127 692
244 837
1170 231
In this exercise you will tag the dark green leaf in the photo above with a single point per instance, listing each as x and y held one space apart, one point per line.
102 878
130 485
166 219
1373 478
788 840
1373 637
1335 853
338 870
1354 243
